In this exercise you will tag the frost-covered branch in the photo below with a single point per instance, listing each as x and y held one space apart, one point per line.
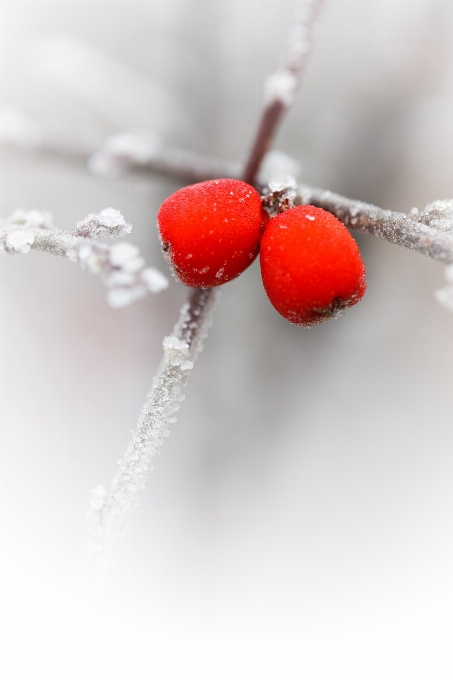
280 88
133 152
429 232
119 266
110 509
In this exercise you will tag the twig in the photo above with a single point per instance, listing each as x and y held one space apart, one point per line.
281 86
429 232
119 266
110 510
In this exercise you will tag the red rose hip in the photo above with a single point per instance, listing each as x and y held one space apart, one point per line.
310 265
210 232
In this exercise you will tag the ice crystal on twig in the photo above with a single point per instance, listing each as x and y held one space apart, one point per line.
110 509
438 214
109 222
119 266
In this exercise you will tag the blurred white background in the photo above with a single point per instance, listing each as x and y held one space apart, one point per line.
298 522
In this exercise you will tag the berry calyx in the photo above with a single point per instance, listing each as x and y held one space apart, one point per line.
311 266
210 232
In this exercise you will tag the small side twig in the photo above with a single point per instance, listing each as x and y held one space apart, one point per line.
119 266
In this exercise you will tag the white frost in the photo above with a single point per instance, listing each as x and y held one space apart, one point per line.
281 86
20 240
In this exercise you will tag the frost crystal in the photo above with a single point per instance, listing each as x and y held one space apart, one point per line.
20 240
120 266
109 222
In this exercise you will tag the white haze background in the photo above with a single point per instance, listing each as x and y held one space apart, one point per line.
298 522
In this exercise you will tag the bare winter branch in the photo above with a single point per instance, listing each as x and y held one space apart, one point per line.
110 509
429 232
281 87
119 266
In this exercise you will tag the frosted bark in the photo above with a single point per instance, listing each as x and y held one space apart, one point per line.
120 266
429 232
110 510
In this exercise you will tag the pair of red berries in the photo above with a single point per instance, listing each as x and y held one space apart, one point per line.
310 264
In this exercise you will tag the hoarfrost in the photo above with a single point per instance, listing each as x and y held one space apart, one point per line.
20 240
415 231
119 266
110 511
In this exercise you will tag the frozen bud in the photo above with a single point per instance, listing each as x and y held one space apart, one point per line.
153 279
109 217
121 252
20 240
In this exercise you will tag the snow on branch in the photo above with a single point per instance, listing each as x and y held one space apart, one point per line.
429 232
120 266
110 510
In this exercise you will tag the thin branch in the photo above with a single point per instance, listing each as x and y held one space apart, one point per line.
119 266
110 510
281 86
429 232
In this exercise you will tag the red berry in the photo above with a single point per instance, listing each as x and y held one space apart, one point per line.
210 232
311 265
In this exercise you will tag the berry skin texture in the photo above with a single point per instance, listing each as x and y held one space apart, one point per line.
310 265
210 232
